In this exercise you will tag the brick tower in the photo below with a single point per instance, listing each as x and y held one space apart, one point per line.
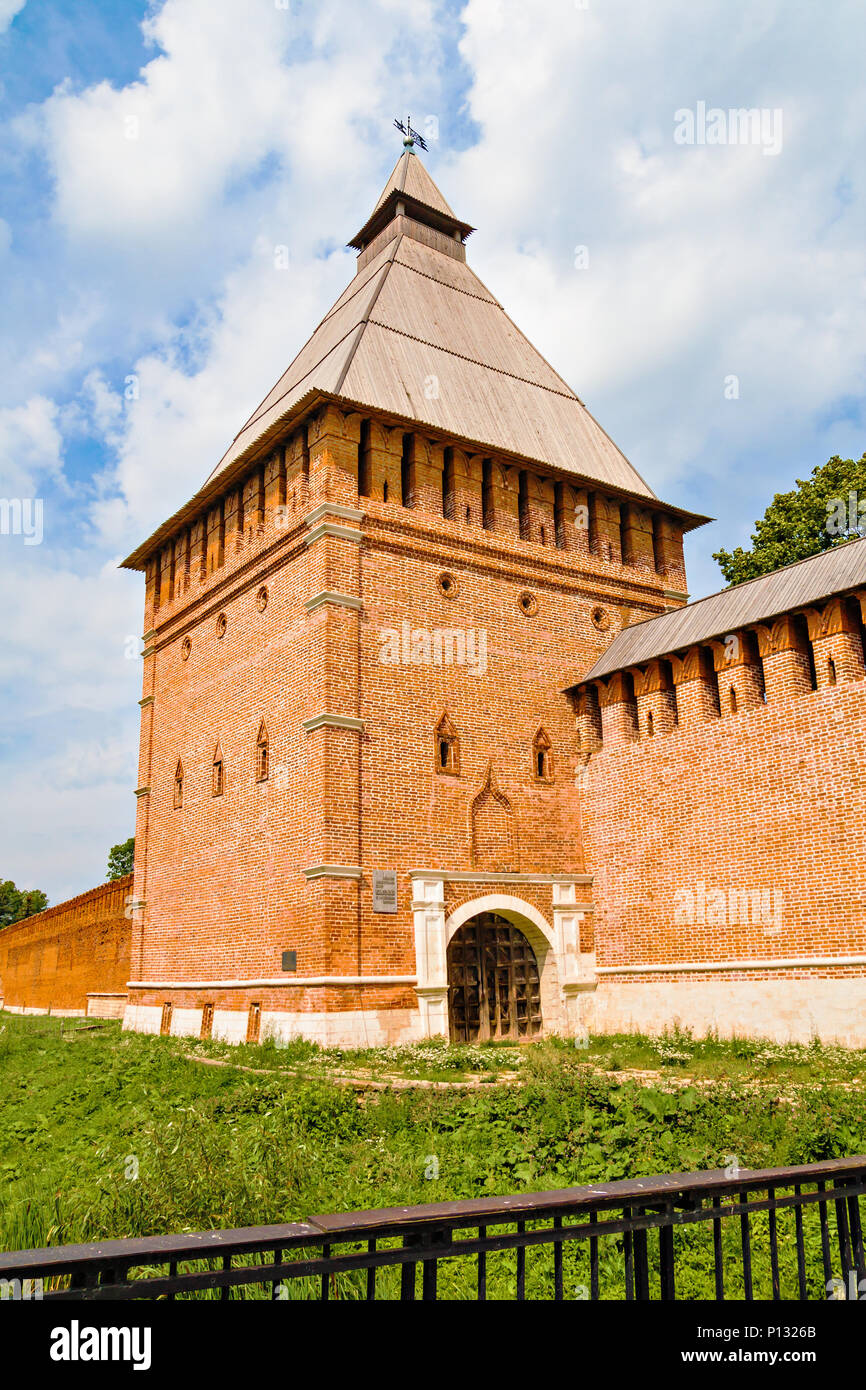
358 802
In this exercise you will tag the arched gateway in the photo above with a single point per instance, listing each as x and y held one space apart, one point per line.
494 986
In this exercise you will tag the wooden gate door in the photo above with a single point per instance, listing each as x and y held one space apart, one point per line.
493 982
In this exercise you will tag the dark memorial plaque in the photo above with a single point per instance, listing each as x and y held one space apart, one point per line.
384 890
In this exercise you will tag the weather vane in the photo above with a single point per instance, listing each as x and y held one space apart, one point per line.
410 136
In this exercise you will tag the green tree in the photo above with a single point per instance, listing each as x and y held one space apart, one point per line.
18 903
821 511
121 859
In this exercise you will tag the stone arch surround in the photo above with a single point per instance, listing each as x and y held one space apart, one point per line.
538 932
566 970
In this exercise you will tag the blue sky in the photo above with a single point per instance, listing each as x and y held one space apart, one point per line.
151 157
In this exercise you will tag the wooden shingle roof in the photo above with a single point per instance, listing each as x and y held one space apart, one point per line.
839 570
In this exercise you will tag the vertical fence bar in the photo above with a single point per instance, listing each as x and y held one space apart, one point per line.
521 1264
641 1263
774 1246
746 1240
278 1255
172 1274
825 1241
857 1235
482 1267
718 1257
667 1281
429 1273
844 1242
407 1273
628 1250
557 1262
371 1273
225 1291
593 1265
801 1249
325 1287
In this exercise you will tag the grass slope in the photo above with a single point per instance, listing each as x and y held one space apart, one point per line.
104 1134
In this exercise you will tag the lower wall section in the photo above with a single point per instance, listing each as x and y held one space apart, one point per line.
347 1028
782 1009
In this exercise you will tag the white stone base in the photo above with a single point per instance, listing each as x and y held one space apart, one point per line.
52 1013
142 1018
354 1028
106 1005
783 1010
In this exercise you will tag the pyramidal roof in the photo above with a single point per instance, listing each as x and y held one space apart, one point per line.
409 176
417 336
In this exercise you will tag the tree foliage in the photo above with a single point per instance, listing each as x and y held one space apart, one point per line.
821 511
121 859
18 903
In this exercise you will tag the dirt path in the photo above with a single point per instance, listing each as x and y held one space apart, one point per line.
366 1083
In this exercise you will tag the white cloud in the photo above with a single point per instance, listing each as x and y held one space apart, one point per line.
31 447
703 261
8 10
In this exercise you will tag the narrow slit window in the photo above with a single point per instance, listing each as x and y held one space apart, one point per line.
487 505
447 746
177 800
406 472
542 757
262 753
218 778
831 671
448 493
524 523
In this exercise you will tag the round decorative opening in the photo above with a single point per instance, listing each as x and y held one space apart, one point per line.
262 599
222 623
528 603
600 619
185 648
447 585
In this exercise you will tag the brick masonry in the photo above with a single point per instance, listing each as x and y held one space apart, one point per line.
55 959
693 851
360 653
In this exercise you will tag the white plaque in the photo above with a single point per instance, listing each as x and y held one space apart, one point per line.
384 890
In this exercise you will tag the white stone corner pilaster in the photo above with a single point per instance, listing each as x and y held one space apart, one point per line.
428 915
576 969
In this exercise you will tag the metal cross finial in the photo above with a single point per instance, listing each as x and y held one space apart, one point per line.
410 136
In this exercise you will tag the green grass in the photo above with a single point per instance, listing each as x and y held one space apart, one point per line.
104 1134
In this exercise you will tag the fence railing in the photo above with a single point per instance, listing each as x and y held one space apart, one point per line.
792 1233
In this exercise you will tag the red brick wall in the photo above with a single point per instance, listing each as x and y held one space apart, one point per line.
222 877
771 799
57 957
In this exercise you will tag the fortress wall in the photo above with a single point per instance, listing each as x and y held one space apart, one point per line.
54 959
731 841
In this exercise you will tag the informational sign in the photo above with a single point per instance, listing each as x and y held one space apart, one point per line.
290 960
384 890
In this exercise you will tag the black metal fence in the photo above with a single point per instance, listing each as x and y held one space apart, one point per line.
777 1233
